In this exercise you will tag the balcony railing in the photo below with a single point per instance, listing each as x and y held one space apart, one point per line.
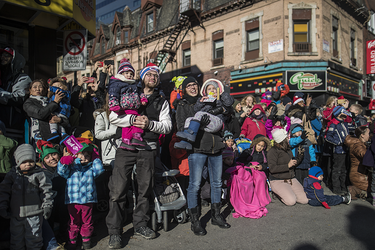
302 47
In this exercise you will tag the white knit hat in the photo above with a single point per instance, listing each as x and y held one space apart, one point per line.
279 135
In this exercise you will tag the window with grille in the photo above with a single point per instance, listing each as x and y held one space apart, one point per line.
186 57
301 30
118 36
335 28
126 37
150 22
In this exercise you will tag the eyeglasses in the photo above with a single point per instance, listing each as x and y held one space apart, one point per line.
150 75
189 86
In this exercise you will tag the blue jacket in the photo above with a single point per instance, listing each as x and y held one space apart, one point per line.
309 154
313 189
336 134
317 126
80 185
64 105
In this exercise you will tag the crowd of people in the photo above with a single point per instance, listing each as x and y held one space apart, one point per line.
55 141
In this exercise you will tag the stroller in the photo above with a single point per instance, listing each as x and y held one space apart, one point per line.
167 196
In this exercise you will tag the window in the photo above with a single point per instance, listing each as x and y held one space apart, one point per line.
301 30
102 49
186 57
353 60
253 40
219 49
118 36
335 27
150 22
126 37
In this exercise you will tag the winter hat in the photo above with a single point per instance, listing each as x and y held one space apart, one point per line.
338 110
228 152
45 148
266 94
188 80
257 106
315 171
235 103
2 127
279 135
178 80
286 100
295 120
216 83
299 94
228 135
294 128
87 144
297 99
23 153
9 50
125 66
149 66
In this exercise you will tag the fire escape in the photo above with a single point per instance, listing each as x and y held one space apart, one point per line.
189 17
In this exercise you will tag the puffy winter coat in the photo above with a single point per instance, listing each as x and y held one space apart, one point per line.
106 133
309 152
313 189
26 195
336 134
179 157
278 160
252 127
359 175
7 147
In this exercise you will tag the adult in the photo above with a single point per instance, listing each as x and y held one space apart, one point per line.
238 112
89 99
359 174
13 86
300 107
281 166
207 147
154 119
40 110
106 133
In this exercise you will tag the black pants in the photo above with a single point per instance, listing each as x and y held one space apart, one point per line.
119 186
339 173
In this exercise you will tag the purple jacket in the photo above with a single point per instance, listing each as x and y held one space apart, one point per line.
270 127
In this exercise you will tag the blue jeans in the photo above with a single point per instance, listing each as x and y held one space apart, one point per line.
196 163
332 200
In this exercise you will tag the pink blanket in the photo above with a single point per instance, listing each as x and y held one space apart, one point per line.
248 192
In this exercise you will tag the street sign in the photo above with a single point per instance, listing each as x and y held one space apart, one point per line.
75 50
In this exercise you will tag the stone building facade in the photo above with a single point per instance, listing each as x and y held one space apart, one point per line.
248 45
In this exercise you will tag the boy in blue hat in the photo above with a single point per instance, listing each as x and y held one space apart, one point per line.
315 193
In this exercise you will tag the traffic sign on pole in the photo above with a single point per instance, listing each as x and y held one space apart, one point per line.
75 50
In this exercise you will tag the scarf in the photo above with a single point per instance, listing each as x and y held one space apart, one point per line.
191 99
35 122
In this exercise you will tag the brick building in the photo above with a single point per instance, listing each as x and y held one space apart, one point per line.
315 47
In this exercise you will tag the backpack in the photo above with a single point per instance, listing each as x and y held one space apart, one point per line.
242 144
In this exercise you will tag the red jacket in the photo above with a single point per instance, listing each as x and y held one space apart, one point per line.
252 127
179 157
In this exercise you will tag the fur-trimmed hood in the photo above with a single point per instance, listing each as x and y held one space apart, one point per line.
258 138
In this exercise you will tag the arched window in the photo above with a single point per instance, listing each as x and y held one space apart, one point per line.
102 49
118 35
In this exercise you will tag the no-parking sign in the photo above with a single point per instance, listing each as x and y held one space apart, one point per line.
75 50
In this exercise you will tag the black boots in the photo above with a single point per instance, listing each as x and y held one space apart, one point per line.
195 223
216 218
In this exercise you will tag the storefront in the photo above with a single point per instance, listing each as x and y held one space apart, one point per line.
319 79
35 29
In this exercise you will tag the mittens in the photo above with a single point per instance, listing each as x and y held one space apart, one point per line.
67 160
47 212
325 205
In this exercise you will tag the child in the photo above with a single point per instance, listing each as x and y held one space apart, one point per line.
256 156
336 134
229 141
266 98
176 92
124 96
276 122
255 123
209 110
7 147
26 197
358 118
80 191
63 111
300 143
315 193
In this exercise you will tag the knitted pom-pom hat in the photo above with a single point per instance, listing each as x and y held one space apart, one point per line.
125 66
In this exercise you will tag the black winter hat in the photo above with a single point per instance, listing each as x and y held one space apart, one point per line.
286 100
187 81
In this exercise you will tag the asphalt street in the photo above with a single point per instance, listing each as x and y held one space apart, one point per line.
298 227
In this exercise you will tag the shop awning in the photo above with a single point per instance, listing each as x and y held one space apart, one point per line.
59 15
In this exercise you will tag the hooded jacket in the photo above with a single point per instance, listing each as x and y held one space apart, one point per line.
336 134
252 127
358 175
12 96
26 195
259 157
7 147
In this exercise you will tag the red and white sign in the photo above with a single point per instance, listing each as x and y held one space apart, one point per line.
370 48
75 50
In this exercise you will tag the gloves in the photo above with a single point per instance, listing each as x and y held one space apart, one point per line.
4 214
325 205
67 160
313 164
47 212
304 135
216 111
273 113
205 120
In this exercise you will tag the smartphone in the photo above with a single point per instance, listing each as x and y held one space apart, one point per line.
109 62
91 80
100 64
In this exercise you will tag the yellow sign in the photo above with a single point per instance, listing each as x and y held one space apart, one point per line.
82 11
